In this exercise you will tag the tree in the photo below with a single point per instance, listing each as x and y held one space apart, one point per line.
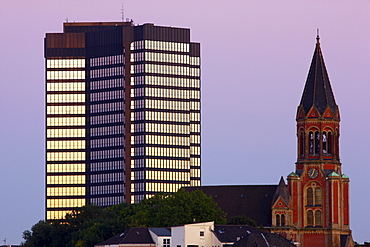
164 210
90 224
45 234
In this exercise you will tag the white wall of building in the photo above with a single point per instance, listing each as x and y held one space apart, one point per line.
194 235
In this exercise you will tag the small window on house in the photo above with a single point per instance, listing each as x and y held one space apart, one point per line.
201 233
166 242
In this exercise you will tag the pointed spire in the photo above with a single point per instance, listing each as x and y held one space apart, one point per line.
318 37
318 91
282 191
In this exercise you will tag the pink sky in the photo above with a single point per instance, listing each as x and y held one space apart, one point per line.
255 59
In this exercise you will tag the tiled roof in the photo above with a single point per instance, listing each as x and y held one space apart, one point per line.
317 91
263 239
134 235
253 201
232 233
161 231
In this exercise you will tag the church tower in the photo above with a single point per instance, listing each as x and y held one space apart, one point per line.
316 212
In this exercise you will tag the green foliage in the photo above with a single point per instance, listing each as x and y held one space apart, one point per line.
89 225
163 210
242 220
45 234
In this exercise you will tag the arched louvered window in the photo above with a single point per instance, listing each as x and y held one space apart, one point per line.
311 144
301 144
282 220
317 142
309 196
330 143
336 144
278 220
318 196
309 218
324 143
318 218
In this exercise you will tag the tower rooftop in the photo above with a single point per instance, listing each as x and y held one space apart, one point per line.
317 91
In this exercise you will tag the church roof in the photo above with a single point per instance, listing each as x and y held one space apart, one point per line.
263 239
253 201
317 91
232 233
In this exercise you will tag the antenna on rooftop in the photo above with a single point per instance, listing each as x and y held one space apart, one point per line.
122 13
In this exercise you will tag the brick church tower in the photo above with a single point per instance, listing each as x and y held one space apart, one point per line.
313 209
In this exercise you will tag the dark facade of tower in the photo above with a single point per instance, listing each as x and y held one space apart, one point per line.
313 209
122 114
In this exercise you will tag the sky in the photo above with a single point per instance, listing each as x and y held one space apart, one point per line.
255 57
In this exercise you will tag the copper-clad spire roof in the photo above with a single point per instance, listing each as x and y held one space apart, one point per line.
317 91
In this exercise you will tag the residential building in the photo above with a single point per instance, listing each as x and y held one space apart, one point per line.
202 234
193 235
140 237
122 114
313 208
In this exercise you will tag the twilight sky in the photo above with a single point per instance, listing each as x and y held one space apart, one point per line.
255 59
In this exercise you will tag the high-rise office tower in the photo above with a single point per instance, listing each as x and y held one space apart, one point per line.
122 114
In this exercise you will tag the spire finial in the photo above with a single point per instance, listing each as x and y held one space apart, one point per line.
318 36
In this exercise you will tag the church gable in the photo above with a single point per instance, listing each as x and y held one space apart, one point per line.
280 203
313 113
328 113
